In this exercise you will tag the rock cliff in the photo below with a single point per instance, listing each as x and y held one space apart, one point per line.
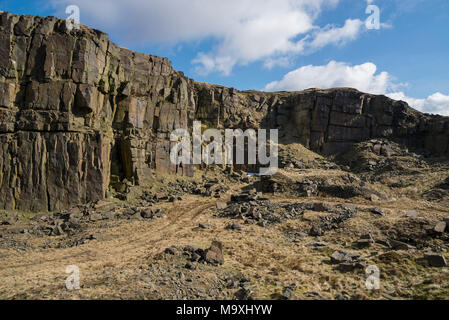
79 114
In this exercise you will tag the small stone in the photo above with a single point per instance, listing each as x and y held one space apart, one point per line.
288 293
367 236
399 245
221 205
374 198
315 295
234 226
171 250
346 266
364 243
190 266
105 215
195 257
435 259
45 217
96 236
129 211
57 231
302 234
262 224
316 231
244 294
160 196
321 207
440 227
318 245
311 216
141 295
447 222
388 297
372 163
136 216
385 243
378 211
147 213
376 149
338 257
252 191
159 213
412 214
214 254
232 283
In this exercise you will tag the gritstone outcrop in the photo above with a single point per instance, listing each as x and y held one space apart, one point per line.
79 114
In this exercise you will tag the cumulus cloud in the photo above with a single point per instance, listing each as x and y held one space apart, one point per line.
334 74
270 39
363 77
334 35
242 31
436 103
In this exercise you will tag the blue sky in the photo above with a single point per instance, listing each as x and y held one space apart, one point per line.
284 44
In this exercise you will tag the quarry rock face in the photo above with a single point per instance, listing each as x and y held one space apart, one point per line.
79 115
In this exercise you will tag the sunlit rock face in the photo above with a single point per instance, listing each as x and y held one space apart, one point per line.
79 115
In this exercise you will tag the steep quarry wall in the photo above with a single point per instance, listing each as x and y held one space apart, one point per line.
79 114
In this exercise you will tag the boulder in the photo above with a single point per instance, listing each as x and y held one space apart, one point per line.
214 255
440 227
435 259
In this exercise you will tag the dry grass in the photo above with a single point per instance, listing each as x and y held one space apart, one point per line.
263 254
298 152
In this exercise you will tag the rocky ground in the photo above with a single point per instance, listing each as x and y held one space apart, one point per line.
308 232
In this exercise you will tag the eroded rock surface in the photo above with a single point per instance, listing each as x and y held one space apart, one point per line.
80 115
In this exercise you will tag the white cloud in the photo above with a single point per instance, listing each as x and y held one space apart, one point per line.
270 39
270 63
334 35
334 74
244 31
436 103
363 77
